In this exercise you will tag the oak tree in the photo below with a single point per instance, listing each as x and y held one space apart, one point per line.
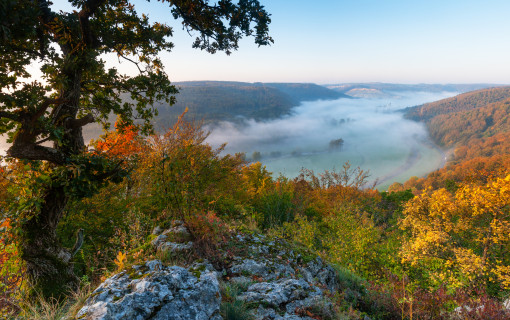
44 118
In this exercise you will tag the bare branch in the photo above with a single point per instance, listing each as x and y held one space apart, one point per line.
128 59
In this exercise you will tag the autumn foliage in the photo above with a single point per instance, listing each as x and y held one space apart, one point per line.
420 251
465 235
123 142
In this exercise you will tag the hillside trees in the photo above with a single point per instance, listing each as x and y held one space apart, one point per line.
44 118
462 239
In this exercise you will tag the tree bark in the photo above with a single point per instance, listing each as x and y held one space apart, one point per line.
48 265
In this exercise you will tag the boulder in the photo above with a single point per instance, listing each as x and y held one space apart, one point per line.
277 293
153 291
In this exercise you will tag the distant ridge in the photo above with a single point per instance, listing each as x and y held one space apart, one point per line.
462 102
214 101
379 90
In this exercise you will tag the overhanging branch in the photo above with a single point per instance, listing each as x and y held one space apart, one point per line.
10 116
77 123
31 151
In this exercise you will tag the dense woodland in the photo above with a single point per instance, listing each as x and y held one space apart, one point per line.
460 103
420 250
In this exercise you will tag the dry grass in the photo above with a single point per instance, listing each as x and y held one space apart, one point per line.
40 309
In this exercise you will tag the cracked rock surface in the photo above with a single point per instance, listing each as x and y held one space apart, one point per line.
279 283
153 291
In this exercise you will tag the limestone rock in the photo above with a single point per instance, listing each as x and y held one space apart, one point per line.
157 230
155 292
277 293
276 283
178 233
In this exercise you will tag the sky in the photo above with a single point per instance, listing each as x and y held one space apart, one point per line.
338 41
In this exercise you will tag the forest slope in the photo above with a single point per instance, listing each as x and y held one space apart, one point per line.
477 126
474 115
462 102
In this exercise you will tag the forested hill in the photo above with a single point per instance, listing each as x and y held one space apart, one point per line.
218 100
476 125
478 114
306 91
462 102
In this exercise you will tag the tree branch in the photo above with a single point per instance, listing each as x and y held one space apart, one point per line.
43 140
76 123
10 115
112 172
43 107
31 151
88 10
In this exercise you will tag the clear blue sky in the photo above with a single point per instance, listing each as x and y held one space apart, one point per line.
333 41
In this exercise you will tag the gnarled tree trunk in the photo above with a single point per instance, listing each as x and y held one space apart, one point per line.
47 263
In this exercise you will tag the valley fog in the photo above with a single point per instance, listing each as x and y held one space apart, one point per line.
323 135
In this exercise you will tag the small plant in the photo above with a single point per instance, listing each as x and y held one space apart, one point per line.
120 260
40 308
231 307
78 298
235 310
170 258
207 226
276 208
349 280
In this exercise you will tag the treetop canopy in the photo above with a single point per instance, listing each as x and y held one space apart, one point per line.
78 87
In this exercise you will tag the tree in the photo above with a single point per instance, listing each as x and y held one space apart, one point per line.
79 89
462 239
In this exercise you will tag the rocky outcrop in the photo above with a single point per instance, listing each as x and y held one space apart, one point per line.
284 283
157 292
175 239
277 283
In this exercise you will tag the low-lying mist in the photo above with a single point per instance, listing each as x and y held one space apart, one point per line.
323 135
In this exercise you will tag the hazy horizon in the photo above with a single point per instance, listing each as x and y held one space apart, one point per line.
4 145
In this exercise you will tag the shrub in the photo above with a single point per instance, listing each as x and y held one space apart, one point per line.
231 307
275 208
10 273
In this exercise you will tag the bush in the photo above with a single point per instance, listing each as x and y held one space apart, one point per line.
275 208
